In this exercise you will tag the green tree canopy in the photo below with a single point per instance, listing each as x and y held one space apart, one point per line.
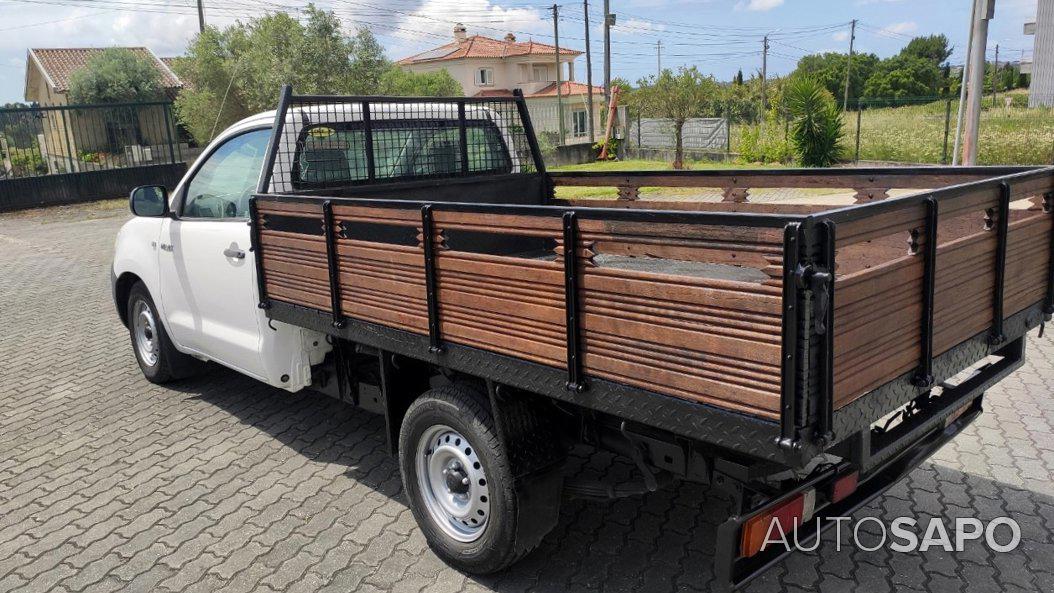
934 48
116 75
904 76
829 70
237 71
676 97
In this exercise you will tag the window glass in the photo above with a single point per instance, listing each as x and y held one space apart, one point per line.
223 184
405 149
578 123
485 76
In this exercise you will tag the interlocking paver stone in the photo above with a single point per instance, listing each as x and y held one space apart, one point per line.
110 483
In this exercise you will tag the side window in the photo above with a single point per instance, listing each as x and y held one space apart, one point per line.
222 186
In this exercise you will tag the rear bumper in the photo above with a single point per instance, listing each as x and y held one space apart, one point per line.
732 572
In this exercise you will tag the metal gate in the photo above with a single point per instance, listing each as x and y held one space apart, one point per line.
76 153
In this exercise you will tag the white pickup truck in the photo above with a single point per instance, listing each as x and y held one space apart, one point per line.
409 256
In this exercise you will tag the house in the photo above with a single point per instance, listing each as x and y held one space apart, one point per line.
487 67
1041 89
85 138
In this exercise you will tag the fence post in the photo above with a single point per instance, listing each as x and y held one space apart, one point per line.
947 122
168 132
639 145
859 111
64 116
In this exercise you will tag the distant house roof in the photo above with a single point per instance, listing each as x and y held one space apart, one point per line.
58 64
567 89
478 46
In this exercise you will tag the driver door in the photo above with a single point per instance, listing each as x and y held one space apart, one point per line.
207 282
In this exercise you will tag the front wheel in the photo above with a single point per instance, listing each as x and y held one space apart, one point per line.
462 485
154 351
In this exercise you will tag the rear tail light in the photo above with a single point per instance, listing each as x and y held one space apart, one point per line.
844 486
789 515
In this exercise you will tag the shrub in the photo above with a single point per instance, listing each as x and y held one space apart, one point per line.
816 126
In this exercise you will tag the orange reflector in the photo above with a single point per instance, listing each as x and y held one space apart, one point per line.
844 486
788 515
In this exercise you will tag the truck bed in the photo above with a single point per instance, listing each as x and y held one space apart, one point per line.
782 329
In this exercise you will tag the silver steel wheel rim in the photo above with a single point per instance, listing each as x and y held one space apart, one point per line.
145 328
453 484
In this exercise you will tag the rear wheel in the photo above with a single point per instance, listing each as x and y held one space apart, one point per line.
463 487
154 351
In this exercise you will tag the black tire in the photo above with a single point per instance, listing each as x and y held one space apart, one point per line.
523 507
168 364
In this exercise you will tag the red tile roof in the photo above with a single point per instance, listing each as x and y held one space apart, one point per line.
479 46
59 63
567 89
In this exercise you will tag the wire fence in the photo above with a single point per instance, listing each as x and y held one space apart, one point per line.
914 130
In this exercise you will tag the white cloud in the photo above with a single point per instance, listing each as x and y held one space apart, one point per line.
901 28
432 22
758 5
840 36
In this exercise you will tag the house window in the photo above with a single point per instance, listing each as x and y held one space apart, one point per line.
485 77
540 73
579 127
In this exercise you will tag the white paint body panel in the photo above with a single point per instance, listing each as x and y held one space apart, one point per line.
208 302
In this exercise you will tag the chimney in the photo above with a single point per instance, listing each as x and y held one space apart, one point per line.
510 38
459 33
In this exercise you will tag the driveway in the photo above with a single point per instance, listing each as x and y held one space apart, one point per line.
109 483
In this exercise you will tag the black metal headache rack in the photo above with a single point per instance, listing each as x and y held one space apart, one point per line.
325 142
334 151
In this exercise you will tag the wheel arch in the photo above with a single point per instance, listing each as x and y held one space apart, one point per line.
122 288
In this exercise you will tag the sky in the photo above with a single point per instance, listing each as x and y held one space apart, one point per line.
717 36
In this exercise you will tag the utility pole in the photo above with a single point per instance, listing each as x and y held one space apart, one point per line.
201 16
658 58
849 64
559 76
589 72
961 111
995 77
609 20
764 71
976 81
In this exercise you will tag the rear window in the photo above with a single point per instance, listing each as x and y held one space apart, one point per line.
335 155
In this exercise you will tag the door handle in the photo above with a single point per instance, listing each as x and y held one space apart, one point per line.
234 253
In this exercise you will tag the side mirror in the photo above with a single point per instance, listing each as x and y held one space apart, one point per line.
149 200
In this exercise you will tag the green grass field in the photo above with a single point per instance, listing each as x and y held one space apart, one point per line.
915 134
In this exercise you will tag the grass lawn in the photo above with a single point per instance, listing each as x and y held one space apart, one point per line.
915 134
574 193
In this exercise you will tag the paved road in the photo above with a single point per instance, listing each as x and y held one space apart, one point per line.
110 483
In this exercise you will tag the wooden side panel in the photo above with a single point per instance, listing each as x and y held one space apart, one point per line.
878 291
691 311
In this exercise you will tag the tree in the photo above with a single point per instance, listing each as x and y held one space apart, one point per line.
738 80
934 48
815 126
829 70
237 71
904 76
396 81
676 97
116 75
